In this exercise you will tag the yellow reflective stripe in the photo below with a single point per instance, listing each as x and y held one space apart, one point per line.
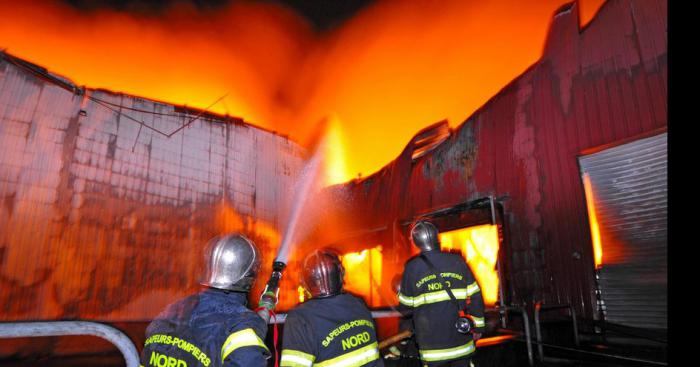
406 300
242 338
479 321
473 288
295 358
432 297
432 355
355 358
291 363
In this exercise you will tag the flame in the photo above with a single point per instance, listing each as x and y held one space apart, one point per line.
334 162
182 55
480 244
593 221
393 68
363 274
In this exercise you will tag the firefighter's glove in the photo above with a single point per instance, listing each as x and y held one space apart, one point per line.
267 304
268 300
393 353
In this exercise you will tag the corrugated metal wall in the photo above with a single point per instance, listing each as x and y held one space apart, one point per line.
101 217
630 187
591 87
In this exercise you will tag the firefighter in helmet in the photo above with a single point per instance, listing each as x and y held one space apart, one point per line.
446 324
213 327
332 327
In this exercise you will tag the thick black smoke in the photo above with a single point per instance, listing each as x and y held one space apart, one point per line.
323 14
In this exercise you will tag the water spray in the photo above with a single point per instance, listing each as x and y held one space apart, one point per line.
270 296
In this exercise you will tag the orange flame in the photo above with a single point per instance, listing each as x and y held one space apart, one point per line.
593 220
393 68
479 245
363 274
386 73
334 158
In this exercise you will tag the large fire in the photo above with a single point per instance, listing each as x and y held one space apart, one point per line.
394 68
335 167
364 274
479 246
377 79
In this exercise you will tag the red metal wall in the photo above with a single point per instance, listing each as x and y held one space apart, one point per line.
592 86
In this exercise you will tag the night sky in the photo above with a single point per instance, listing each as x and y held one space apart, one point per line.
323 14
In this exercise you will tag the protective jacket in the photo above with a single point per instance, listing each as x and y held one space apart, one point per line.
332 331
434 314
210 329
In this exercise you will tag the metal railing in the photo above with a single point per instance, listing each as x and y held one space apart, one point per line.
539 307
63 328
526 327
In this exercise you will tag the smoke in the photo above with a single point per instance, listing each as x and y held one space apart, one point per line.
183 55
392 69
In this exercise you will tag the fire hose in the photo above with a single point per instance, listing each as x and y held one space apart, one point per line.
395 339
481 342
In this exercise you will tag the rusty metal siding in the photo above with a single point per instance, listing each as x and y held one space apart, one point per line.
629 183
102 218
591 87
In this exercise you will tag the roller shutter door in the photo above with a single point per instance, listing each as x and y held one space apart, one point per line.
629 183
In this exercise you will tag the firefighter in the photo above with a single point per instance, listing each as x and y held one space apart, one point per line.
213 327
435 313
332 328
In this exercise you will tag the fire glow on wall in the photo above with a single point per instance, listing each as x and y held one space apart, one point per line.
479 246
593 220
363 274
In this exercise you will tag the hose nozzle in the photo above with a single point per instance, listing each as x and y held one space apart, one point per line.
269 297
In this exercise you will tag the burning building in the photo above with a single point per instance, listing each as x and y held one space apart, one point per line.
555 189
